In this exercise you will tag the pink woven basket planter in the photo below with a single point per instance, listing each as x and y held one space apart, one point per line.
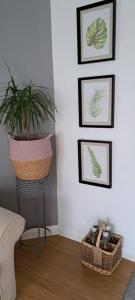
31 160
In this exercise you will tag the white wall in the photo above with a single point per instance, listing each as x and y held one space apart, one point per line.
80 205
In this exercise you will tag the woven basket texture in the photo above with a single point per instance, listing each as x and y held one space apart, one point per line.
99 260
32 170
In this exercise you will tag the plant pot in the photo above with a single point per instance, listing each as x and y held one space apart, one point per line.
31 159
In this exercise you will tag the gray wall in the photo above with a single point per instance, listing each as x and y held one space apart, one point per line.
25 42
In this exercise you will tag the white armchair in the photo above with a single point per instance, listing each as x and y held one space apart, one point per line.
11 228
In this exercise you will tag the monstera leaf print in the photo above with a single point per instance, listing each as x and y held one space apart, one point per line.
96 34
96 168
95 103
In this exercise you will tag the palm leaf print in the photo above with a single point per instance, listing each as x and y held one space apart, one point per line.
95 107
96 168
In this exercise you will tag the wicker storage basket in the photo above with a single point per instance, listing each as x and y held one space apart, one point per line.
31 159
99 260
32 170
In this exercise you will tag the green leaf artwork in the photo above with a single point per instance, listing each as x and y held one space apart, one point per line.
95 103
96 168
96 34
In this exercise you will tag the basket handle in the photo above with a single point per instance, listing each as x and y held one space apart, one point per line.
101 228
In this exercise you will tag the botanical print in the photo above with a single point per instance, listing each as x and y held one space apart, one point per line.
95 103
96 34
96 168
96 29
95 162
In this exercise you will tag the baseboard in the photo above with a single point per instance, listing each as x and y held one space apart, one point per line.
130 255
66 232
32 233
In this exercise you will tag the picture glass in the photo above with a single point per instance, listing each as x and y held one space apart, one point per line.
95 163
96 32
96 103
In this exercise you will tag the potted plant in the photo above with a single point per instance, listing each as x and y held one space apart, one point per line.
23 110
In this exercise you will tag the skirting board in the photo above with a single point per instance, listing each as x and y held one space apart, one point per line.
32 233
130 255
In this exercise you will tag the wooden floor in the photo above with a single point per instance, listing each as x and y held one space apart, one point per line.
59 275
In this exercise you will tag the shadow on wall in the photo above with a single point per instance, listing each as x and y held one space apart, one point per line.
31 60
8 197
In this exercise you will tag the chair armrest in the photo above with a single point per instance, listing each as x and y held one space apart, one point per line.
7 219
11 228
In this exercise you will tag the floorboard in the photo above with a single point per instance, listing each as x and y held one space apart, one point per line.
58 274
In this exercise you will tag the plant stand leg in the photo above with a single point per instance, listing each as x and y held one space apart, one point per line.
33 189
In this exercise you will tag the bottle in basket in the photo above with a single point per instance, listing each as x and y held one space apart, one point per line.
105 242
108 229
96 225
94 236
89 237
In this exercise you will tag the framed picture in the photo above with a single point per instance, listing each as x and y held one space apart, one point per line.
96 101
96 25
95 162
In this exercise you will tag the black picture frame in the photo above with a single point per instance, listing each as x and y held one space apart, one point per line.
81 10
109 163
81 101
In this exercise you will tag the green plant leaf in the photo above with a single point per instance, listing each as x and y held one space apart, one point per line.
23 108
95 103
96 168
96 34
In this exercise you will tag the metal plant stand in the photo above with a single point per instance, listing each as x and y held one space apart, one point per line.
35 189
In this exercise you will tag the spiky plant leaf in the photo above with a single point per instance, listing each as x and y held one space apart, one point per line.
96 34
95 103
96 168
24 108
